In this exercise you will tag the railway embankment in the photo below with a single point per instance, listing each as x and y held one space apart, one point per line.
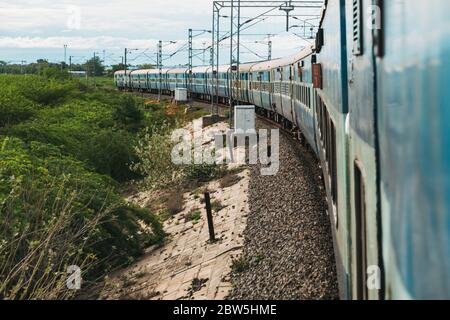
188 266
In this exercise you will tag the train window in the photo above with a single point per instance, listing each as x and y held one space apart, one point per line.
318 111
303 94
360 224
309 98
300 72
357 28
333 164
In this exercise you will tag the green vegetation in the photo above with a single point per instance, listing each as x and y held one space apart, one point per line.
240 265
217 206
64 150
193 216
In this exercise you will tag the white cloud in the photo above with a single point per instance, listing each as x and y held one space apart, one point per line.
105 42
133 17
116 24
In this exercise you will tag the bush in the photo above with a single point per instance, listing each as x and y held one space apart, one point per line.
48 92
128 114
89 128
202 172
55 213
14 108
61 147
154 159
111 153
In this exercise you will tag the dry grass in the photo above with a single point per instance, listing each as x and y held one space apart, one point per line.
229 180
175 202
37 271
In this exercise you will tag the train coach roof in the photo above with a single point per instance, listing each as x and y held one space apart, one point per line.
224 68
268 65
246 67
202 69
177 71
141 71
119 72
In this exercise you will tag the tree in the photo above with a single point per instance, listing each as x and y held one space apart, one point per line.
129 114
117 67
147 66
94 67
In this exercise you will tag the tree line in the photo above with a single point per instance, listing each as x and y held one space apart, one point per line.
93 67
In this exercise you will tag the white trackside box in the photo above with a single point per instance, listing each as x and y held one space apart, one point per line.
245 118
181 95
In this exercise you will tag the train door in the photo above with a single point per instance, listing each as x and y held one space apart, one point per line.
361 129
276 95
250 89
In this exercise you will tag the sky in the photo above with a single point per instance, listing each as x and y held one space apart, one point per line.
31 30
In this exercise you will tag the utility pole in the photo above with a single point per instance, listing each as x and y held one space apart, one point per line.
288 8
215 58
21 66
235 56
190 60
269 47
237 31
125 62
65 57
159 62
94 73
211 55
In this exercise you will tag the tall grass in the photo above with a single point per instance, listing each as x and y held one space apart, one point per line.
33 262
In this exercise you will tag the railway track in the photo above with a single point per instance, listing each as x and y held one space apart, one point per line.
288 240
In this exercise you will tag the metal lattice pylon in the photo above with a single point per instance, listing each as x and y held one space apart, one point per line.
191 54
159 62
235 53
215 59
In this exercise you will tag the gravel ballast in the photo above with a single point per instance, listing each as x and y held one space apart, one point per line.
288 253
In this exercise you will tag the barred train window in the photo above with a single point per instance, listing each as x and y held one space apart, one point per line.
357 28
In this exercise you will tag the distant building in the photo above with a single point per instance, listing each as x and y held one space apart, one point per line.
78 73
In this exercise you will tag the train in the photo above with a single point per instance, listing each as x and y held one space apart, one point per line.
371 99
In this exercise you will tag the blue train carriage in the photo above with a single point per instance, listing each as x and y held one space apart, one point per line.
224 76
177 78
365 224
242 93
119 79
221 79
304 97
161 80
282 74
330 106
412 71
134 80
152 80
280 79
260 86
127 80
139 79
199 85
